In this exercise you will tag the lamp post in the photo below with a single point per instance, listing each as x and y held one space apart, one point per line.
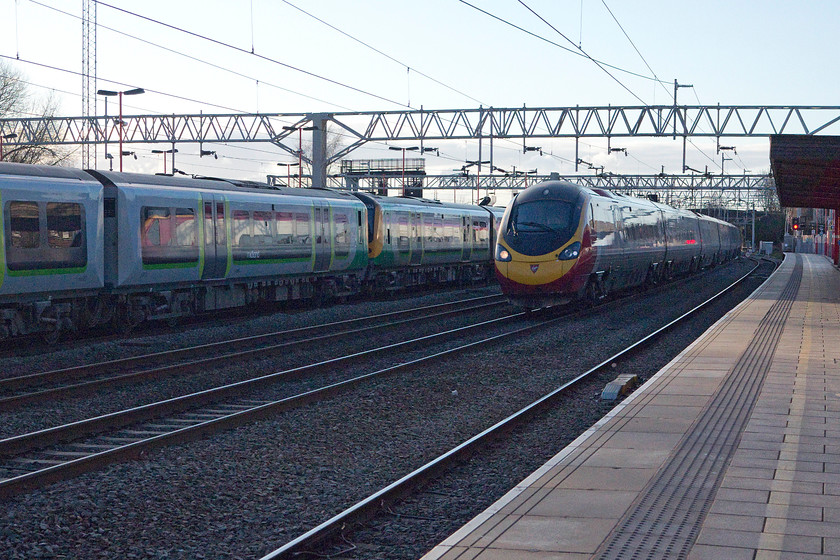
532 172
5 137
173 151
410 149
300 130
109 93
477 177
288 171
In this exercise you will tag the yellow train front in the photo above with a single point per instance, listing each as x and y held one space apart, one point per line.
544 252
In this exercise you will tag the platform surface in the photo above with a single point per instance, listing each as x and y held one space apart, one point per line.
731 451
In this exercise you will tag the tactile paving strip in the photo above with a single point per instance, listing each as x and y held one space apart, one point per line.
666 520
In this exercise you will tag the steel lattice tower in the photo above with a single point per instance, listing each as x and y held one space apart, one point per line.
88 77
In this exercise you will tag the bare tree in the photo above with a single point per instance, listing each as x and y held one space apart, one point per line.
17 101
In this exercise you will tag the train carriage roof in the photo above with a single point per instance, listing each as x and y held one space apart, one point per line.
216 184
47 171
415 202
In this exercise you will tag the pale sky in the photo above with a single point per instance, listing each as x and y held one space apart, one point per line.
744 52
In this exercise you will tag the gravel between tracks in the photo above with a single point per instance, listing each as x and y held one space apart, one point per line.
240 494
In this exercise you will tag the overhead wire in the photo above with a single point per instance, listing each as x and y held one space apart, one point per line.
386 55
636 48
672 96
245 51
194 58
598 64
550 42
338 30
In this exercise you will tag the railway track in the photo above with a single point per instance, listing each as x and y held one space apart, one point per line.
84 379
45 456
324 539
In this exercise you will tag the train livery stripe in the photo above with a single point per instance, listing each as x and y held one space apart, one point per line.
47 271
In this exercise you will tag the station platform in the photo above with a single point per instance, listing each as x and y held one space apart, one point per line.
731 451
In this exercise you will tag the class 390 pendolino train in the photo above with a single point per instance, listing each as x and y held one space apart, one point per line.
559 241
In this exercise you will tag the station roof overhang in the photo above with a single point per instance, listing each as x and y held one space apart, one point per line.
806 170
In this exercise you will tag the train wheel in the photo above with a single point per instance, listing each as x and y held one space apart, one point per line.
128 317
92 312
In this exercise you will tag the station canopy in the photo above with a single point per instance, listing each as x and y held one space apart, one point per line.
806 170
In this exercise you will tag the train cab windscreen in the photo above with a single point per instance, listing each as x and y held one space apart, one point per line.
541 226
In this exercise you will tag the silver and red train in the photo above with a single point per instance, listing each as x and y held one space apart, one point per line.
86 248
559 241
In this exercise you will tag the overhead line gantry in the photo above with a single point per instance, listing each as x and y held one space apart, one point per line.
491 123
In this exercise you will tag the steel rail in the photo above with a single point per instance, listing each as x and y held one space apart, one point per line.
104 368
11 448
195 424
370 506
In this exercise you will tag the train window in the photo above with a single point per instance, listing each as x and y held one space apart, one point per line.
342 235
221 237
402 231
285 227
184 228
208 224
24 229
241 228
64 224
263 224
302 228
155 226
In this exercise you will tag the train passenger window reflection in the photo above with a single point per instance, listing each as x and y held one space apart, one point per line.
23 225
153 233
64 224
184 227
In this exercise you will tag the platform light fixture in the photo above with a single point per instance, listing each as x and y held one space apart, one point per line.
289 172
404 150
300 130
173 151
109 93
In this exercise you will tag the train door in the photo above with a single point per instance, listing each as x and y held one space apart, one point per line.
466 235
321 232
215 239
416 238
619 264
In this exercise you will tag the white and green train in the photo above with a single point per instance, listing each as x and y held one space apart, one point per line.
84 248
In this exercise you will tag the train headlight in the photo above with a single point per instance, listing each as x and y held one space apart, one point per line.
570 252
502 254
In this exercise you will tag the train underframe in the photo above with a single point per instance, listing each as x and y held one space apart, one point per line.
384 280
53 318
